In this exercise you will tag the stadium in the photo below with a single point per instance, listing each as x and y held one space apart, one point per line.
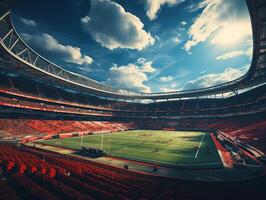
66 136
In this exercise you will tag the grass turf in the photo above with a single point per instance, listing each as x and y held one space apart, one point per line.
160 147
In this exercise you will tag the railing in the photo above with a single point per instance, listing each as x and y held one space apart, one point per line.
208 112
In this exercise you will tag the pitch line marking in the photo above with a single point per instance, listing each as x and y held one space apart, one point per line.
158 161
199 146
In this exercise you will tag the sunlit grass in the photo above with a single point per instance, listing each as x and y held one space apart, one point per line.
173 147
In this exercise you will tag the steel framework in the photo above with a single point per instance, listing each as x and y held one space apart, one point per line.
17 51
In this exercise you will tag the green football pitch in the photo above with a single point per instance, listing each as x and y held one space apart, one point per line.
178 148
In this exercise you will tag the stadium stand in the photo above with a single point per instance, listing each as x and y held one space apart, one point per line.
45 175
249 129
41 128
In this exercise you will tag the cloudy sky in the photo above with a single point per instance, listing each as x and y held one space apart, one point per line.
142 45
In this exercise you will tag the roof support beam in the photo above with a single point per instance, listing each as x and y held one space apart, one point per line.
1 18
13 45
9 32
35 60
18 54
10 40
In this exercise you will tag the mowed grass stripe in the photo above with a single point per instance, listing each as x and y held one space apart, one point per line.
134 138
161 146
95 140
142 143
186 150
133 144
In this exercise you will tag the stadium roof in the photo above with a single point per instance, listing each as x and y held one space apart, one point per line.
18 58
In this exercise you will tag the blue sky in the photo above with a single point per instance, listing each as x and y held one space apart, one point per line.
142 45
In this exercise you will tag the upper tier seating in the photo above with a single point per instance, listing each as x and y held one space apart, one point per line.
55 99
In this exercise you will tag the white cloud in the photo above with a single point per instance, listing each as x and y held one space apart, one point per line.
131 76
183 23
171 88
230 54
153 6
182 26
177 40
249 52
166 89
219 20
232 32
28 22
146 66
208 80
166 78
48 43
110 25
194 7
249 42
233 54
203 72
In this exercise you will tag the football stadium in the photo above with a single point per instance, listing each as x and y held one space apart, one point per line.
78 130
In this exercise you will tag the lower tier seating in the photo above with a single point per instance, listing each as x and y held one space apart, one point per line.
30 173
26 127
